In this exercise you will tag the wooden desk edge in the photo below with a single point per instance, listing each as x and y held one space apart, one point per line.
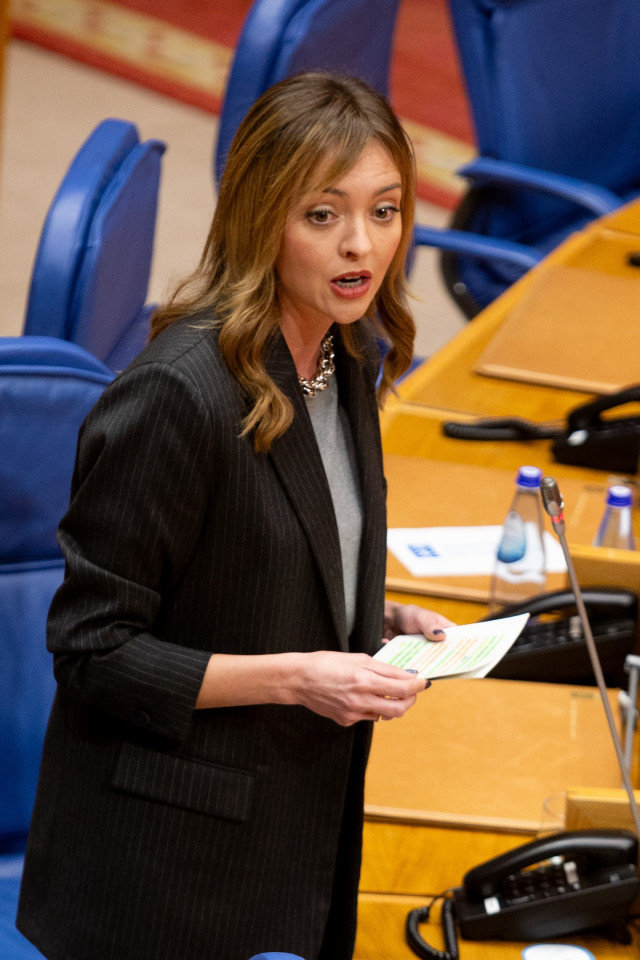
432 818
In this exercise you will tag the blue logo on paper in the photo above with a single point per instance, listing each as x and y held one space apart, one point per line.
423 550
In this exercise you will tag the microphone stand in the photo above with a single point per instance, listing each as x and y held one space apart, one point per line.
553 504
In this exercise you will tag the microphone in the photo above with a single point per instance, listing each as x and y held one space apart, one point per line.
552 500
554 506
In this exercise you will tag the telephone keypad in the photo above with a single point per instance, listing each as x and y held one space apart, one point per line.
548 880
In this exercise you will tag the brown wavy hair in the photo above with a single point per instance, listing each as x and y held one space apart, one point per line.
301 134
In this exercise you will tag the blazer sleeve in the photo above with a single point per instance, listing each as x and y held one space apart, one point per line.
143 476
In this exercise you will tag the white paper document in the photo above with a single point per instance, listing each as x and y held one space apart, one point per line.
458 551
470 650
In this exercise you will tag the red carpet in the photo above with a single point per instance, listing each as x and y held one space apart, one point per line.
182 48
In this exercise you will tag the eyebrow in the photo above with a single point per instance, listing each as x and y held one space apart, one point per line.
343 193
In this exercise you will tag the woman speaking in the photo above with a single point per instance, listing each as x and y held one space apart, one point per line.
201 790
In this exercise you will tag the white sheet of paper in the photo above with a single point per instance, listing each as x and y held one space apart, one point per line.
469 650
457 551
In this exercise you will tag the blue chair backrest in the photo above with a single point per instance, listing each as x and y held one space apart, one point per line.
91 271
109 298
280 38
47 387
555 84
553 87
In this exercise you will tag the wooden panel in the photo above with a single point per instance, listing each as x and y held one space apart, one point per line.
589 809
411 858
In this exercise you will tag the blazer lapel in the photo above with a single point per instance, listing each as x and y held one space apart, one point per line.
296 458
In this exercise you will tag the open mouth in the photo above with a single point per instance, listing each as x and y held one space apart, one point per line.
351 281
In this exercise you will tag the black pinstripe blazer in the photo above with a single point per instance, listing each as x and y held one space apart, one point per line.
160 832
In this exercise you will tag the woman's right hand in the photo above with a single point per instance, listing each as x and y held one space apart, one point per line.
348 687
345 687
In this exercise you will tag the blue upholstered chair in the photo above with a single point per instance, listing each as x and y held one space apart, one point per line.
91 272
554 87
282 37
47 386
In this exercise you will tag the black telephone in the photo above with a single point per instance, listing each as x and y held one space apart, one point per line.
587 439
603 444
560 884
552 648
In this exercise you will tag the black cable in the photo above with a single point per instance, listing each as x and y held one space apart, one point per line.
448 921
502 428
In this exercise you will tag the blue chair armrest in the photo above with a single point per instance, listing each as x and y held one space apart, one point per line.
474 245
588 195
22 354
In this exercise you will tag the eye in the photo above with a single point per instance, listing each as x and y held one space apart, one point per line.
319 215
386 212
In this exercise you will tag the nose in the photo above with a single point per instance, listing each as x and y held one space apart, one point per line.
356 238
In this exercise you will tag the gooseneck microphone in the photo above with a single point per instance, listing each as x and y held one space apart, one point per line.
554 505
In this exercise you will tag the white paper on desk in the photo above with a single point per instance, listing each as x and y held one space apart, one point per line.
470 650
458 551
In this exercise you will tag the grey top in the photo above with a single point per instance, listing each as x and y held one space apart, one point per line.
333 434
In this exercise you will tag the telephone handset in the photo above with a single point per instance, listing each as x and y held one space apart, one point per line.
588 439
560 884
552 647
602 443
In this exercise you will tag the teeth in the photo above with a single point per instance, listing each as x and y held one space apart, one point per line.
349 281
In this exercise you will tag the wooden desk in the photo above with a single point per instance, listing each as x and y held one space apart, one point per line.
448 381
463 777
448 387
431 492
626 219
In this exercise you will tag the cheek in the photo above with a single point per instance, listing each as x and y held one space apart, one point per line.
387 251
299 257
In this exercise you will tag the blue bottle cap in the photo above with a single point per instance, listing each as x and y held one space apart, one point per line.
619 496
529 477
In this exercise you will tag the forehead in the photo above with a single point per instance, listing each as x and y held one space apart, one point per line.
373 163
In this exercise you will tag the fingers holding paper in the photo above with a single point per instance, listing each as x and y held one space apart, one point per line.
403 618
349 687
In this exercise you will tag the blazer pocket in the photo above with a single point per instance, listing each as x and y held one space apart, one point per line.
184 782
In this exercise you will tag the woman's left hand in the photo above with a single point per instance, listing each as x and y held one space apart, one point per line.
403 618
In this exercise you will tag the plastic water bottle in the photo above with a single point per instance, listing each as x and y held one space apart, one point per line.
520 569
616 526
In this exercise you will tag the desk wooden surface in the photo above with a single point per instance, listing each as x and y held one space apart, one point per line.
476 768
488 753
449 380
463 777
429 492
